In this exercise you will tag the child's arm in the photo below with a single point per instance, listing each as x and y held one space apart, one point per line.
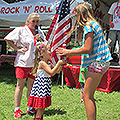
52 72
52 66
59 69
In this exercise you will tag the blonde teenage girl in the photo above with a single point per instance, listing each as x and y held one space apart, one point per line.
95 54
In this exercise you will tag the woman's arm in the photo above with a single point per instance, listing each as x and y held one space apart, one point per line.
14 47
11 44
86 49
110 19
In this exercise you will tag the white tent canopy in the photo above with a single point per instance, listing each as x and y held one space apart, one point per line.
15 14
2 2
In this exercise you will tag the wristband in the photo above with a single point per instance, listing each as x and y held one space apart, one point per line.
112 24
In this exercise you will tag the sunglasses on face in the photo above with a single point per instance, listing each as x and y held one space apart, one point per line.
33 21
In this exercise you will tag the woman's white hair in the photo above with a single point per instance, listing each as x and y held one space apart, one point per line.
32 15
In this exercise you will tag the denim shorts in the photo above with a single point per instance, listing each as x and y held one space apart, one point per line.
99 67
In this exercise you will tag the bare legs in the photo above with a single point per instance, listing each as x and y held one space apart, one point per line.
19 90
39 112
93 80
29 86
81 95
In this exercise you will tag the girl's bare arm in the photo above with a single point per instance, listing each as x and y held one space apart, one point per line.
86 49
52 72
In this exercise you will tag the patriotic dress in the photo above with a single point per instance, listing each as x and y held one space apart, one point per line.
40 96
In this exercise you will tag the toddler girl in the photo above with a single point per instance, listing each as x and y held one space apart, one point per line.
40 96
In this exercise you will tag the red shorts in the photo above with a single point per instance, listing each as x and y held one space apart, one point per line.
24 72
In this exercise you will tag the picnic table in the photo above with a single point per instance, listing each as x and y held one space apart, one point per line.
7 58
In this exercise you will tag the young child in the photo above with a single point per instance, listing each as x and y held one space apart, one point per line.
40 96
95 54
82 79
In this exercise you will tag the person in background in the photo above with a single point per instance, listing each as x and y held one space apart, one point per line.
40 96
95 54
114 22
23 40
82 79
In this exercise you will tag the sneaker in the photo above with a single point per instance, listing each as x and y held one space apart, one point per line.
81 100
17 113
32 111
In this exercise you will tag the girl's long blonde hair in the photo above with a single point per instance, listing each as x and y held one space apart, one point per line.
39 49
83 17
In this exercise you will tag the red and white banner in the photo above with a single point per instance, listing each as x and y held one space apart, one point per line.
15 14
27 9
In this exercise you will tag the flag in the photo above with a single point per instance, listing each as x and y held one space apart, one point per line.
60 26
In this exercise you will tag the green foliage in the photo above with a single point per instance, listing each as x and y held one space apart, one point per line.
65 102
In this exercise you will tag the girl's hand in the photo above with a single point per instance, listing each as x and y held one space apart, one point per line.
62 51
22 50
61 62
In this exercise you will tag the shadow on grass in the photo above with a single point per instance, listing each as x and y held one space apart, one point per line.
54 111
50 112
98 100
7 73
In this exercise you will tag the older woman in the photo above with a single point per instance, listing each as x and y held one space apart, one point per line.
23 40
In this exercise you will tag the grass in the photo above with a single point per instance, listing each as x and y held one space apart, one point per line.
65 102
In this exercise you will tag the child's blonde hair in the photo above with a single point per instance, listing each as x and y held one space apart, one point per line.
39 49
32 15
84 16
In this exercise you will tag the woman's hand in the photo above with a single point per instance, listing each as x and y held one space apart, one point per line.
38 37
22 50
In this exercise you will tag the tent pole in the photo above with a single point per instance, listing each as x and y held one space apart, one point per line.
62 81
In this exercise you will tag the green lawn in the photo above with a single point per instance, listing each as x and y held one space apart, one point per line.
65 102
